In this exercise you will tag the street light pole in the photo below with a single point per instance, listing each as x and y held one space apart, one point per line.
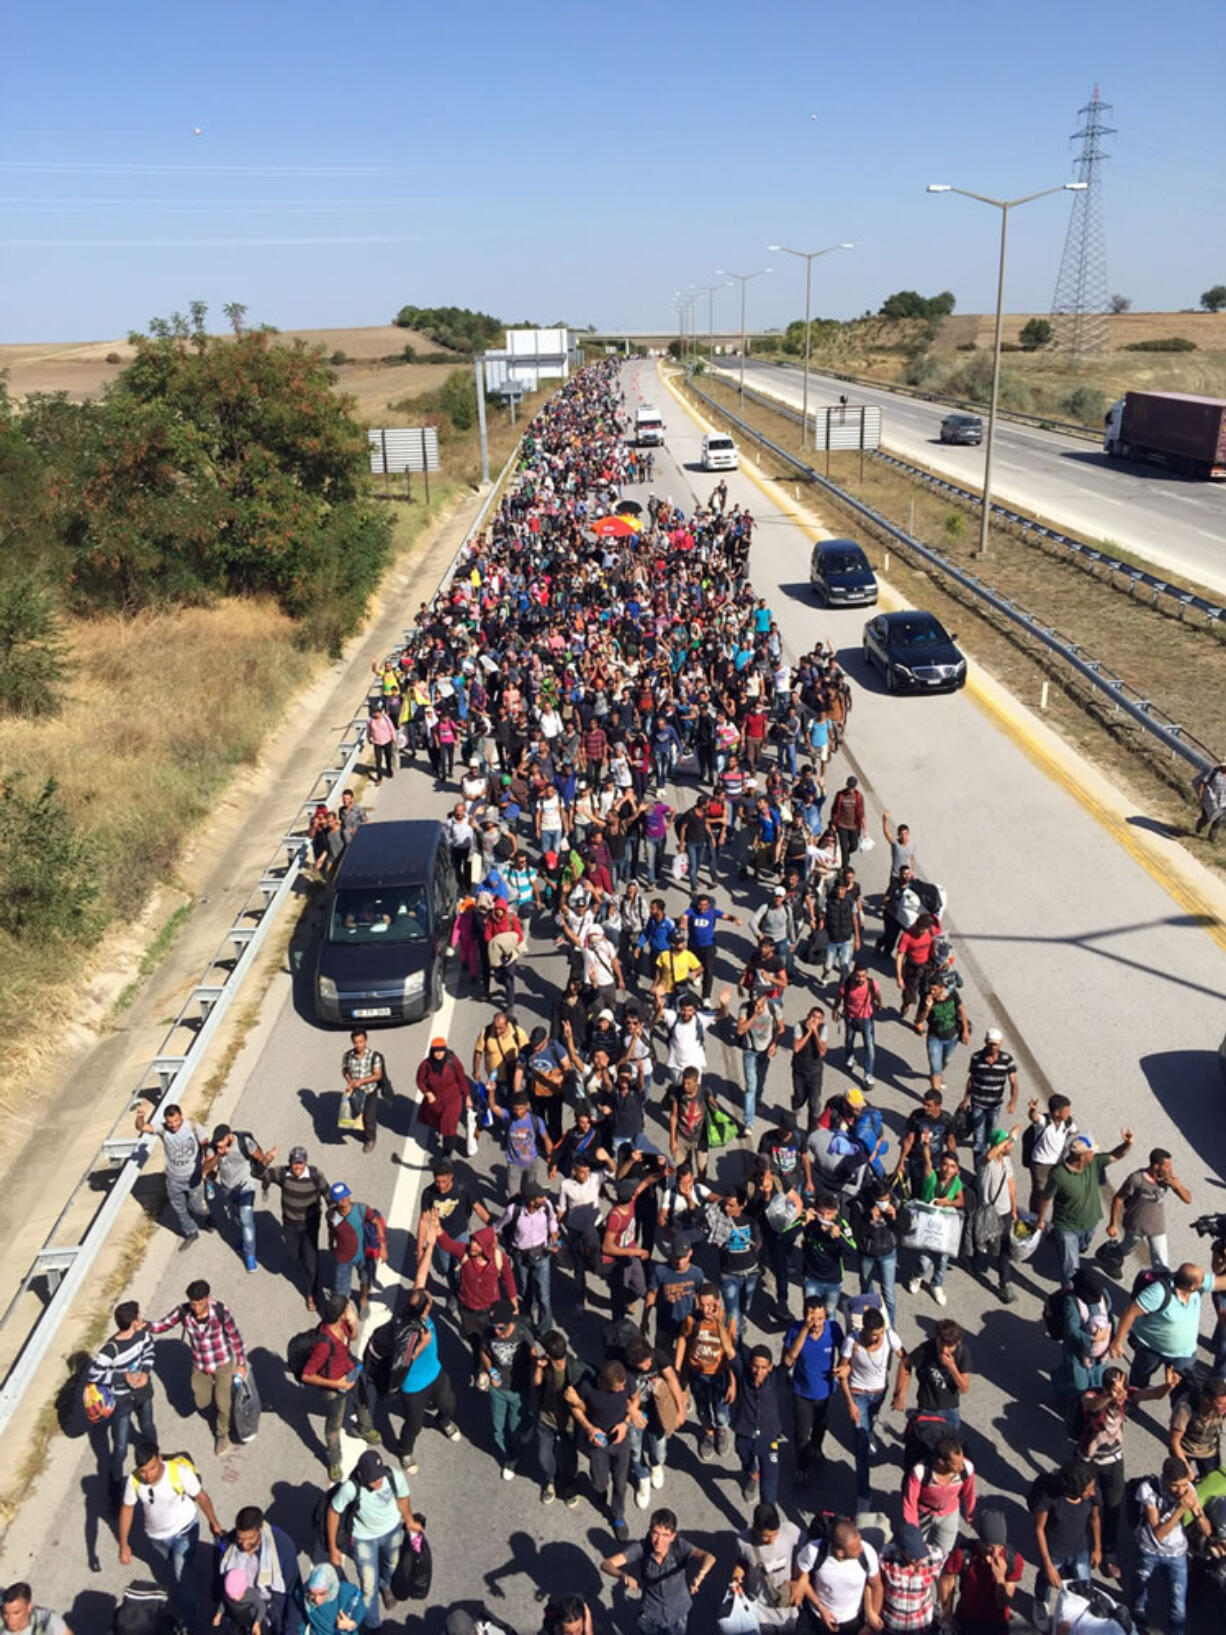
743 280
709 291
1004 206
808 257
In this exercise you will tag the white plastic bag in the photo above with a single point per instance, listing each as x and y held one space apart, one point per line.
866 843
470 1131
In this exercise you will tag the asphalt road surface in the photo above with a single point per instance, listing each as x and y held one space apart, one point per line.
1177 523
1103 987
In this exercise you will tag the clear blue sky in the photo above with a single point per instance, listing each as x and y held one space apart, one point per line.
584 161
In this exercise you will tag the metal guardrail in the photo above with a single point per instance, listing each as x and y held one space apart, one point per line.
1175 738
65 1259
1134 578
917 394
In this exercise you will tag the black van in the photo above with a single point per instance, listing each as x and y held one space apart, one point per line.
387 924
841 575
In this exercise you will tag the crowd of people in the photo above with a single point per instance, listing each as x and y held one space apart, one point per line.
669 1205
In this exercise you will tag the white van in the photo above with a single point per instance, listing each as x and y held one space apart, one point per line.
718 452
648 428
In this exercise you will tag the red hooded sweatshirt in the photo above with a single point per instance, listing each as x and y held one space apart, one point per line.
482 1281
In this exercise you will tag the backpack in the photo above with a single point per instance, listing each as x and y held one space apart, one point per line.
1134 1511
374 1235
701 1032
1029 1136
344 1525
298 1351
144 1609
1053 1314
390 1353
1146 1278
819 1532
928 894
175 1463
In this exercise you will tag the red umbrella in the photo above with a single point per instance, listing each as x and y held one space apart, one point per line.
614 528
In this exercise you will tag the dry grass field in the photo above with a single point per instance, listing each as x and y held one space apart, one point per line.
81 368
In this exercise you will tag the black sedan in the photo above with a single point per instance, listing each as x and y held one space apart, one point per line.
914 653
841 575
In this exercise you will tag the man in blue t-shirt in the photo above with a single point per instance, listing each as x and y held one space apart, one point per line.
673 1290
701 918
811 1350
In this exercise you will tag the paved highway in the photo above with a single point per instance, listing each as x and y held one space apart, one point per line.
1103 987
1174 522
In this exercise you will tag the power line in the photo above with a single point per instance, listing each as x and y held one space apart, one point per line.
1079 306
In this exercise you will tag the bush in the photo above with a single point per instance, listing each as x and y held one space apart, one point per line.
954 526
113 357
921 370
338 357
410 353
1036 332
911 304
1121 303
48 879
456 327
1085 403
32 650
968 346
457 398
1164 343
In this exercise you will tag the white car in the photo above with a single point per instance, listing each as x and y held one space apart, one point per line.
719 452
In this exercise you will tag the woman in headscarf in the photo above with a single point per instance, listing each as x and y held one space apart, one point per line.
328 1602
443 1086
1088 1331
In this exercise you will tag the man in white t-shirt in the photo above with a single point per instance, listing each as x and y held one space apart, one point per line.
168 1492
840 1582
863 1373
686 1029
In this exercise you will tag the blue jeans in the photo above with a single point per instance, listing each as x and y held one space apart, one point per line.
534 1278
738 1290
709 1402
696 856
939 1053
869 1404
839 956
983 1121
180 1552
866 1031
756 1064
648 1447
1176 1570
506 1411
239 1203
375 1559
1073 1569
933 1269
760 1454
551 840
654 849
448 1265
885 1269
828 1293
1072 1245
121 1431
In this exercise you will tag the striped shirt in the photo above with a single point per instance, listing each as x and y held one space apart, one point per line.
119 1357
990 1079
301 1195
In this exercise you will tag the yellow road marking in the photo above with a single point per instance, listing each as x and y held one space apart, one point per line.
1059 764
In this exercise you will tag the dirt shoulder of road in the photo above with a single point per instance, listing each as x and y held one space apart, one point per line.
91 1086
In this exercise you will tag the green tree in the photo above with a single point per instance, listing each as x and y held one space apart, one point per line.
456 327
48 877
235 313
457 398
1214 298
911 304
32 646
1036 332
1121 303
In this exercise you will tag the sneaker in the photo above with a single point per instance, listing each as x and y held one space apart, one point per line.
722 1438
912 1285
706 1449
1007 1295
192 1238
874 1447
387 1598
336 1473
508 1471
251 1263
749 1488
570 1500
370 1437
222 1446
938 1294
642 1493
657 1476
548 1493
449 1429
869 1080
1040 1618
408 1464
621 1530
482 1381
